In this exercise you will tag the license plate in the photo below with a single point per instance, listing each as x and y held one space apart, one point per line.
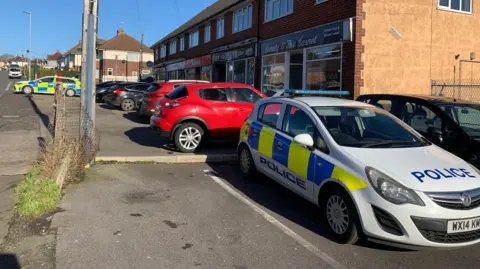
464 225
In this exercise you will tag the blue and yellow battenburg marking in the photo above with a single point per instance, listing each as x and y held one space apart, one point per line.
296 158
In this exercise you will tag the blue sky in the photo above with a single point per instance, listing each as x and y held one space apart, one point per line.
56 24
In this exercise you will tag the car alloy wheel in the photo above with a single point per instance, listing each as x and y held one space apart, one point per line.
190 138
70 93
128 104
337 214
27 90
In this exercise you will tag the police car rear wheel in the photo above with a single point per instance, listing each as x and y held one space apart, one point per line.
246 162
70 92
188 137
27 90
340 216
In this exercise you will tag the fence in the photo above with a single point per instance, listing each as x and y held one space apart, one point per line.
468 89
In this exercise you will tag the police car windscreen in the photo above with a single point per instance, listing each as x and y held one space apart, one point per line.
14 69
367 128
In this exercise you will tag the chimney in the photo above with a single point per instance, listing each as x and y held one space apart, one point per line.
120 32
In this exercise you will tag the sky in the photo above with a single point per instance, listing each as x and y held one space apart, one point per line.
57 24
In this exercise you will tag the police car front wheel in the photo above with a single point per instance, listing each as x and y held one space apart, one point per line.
70 92
27 90
339 216
247 164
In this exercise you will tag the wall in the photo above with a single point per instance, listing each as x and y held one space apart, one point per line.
430 40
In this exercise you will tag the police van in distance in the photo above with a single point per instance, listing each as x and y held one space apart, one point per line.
371 174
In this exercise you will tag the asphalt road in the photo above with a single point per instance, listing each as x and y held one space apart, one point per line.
179 216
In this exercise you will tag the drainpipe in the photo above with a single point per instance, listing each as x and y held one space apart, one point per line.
258 66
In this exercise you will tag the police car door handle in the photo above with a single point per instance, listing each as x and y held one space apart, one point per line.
255 131
279 145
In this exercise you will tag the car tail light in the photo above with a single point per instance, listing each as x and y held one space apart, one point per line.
171 104
118 91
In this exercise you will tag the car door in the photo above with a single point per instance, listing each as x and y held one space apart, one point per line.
243 100
218 111
297 163
261 137
45 84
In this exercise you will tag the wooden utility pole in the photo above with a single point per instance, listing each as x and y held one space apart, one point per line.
140 64
83 81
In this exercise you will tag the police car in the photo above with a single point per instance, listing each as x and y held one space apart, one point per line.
71 86
372 175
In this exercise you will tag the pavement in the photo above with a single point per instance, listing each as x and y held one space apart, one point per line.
207 216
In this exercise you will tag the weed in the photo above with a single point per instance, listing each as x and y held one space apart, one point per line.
36 196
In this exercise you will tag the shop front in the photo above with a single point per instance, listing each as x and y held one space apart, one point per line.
235 65
175 70
199 68
311 59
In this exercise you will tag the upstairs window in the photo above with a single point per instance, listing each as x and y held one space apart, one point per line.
242 19
173 47
193 41
182 43
456 5
220 28
208 32
320 1
163 51
275 9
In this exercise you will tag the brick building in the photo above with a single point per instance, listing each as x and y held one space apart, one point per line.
361 46
119 58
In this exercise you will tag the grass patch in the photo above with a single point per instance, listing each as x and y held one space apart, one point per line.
36 196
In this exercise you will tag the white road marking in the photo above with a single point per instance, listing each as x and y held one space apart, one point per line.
6 89
302 241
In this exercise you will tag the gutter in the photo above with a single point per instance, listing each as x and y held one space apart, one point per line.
195 25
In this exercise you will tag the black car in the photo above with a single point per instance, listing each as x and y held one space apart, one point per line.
102 89
450 123
126 95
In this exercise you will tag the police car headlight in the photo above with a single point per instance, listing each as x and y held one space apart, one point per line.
391 190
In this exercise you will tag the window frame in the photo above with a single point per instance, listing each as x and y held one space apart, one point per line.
207 33
440 7
182 43
270 8
173 44
191 36
244 12
163 51
221 19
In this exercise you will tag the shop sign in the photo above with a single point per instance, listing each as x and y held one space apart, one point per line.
330 33
200 61
176 66
235 54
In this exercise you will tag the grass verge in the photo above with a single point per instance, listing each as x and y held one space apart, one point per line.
36 196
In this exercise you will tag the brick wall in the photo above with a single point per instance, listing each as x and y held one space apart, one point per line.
228 38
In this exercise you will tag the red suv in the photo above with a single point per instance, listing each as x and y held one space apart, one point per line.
191 112
157 91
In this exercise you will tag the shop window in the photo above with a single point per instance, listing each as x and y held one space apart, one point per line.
324 68
217 94
208 32
173 47
250 71
296 70
190 74
193 41
220 28
456 5
273 73
275 9
206 73
239 68
242 19
182 43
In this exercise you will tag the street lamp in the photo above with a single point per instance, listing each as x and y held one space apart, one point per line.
29 44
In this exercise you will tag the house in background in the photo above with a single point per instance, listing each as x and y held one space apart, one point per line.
72 59
119 58
52 59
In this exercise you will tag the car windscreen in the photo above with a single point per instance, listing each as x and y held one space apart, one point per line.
178 93
367 127
153 87
15 69
467 116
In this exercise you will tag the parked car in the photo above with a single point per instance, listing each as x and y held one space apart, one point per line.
126 95
371 175
71 86
158 90
192 112
450 123
102 89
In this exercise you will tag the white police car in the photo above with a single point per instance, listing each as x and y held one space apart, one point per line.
370 173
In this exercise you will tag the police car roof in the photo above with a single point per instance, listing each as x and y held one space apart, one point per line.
329 101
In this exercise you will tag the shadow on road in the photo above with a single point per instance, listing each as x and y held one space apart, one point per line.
137 118
9 261
43 117
274 197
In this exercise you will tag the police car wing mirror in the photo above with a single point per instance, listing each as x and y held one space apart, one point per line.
304 140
